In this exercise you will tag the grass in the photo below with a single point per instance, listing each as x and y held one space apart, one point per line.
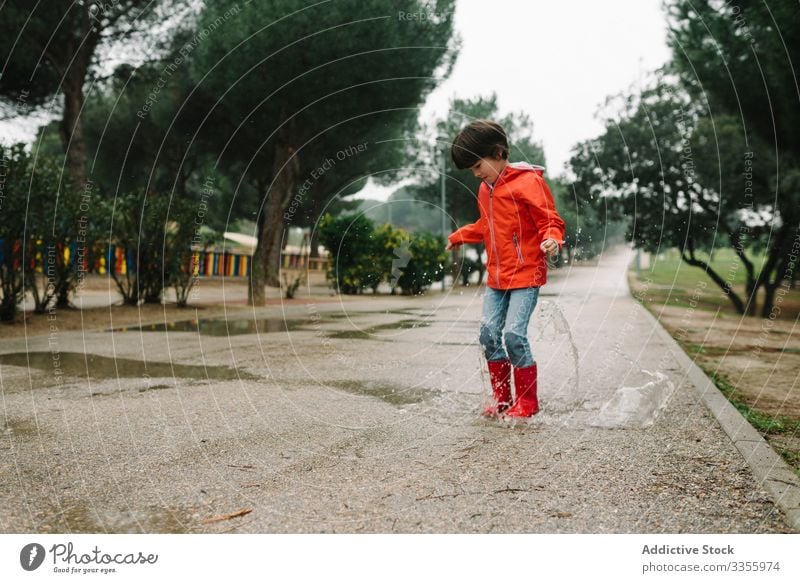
764 423
670 281
669 269
792 457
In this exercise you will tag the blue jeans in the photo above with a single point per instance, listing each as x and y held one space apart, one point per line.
506 314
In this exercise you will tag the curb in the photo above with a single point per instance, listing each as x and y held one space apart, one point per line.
769 469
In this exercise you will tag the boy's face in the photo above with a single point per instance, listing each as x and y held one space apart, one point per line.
488 169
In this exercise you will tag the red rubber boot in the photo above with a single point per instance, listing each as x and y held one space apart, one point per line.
500 375
527 404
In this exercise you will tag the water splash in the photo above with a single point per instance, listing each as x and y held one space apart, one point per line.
547 314
636 406
552 313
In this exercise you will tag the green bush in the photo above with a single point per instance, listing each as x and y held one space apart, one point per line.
363 256
181 230
13 189
428 263
42 216
392 255
138 225
351 243
157 233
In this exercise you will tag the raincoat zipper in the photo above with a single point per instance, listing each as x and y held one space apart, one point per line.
519 251
491 231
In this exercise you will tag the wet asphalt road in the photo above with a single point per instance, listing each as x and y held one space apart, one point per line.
362 416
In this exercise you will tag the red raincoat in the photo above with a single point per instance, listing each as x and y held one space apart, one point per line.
517 214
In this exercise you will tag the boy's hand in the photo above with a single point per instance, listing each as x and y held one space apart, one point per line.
549 247
451 246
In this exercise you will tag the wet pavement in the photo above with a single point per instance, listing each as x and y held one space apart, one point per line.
362 416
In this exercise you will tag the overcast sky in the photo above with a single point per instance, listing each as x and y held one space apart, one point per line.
556 61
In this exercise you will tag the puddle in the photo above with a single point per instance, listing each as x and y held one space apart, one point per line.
391 394
222 327
17 427
77 364
636 406
369 333
416 312
155 388
76 517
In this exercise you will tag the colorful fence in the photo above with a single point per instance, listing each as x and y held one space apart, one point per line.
214 263
202 263
208 263
297 261
38 254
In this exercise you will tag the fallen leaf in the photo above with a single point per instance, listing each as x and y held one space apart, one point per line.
242 512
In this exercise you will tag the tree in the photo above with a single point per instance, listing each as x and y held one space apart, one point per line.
148 128
586 231
50 48
738 61
302 98
363 256
129 152
737 171
659 164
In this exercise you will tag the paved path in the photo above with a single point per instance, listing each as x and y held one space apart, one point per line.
363 418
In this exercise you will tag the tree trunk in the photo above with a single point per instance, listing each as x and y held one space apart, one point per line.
277 232
266 258
726 287
773 264
750 286
751 292
769 299
782 268
71 127
258 267
75 59
314 244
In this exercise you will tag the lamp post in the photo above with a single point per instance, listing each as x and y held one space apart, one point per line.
443 203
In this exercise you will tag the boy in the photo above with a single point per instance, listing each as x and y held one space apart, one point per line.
520 227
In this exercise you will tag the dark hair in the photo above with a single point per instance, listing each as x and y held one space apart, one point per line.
480 139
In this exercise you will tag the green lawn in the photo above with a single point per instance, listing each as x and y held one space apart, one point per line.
671 281
669 269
